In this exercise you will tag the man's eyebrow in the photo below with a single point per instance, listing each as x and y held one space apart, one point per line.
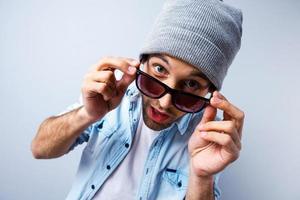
162 57
200 74
193 73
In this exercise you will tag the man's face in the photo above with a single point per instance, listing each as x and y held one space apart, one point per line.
160 113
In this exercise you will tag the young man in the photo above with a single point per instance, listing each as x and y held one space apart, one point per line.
159 137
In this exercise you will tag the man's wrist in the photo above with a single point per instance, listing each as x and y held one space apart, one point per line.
84 117
200 187
202 180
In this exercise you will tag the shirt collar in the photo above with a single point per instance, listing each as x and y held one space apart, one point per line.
132 92
183 123
188 122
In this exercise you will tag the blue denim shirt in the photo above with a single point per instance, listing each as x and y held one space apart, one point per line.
166 169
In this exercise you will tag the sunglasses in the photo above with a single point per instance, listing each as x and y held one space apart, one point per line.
155 89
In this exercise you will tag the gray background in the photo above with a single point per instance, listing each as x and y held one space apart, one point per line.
47 46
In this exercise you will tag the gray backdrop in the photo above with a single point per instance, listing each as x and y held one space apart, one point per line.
47 46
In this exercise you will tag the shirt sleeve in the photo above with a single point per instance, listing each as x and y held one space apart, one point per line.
72 106
217 189
83 137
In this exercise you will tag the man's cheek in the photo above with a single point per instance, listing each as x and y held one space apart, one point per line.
147 101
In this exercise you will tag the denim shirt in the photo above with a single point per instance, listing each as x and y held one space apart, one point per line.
166 169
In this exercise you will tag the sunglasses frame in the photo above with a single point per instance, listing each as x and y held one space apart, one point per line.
171 91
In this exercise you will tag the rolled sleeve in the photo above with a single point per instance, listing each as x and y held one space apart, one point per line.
217 189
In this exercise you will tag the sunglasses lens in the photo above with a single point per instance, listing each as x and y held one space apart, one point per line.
149 86
188 103
154 89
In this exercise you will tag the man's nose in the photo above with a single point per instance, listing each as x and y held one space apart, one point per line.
165 101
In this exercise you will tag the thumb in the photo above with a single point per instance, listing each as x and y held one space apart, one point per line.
197 143
209 114
126 80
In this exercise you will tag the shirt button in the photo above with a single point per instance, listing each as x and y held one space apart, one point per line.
93 187
126 145
100 125
134 120
108 167
179 184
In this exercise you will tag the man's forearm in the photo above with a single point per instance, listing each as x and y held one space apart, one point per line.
57 134
200 188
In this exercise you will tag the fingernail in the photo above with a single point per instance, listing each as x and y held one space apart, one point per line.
203 134
216 100
131 70
219 95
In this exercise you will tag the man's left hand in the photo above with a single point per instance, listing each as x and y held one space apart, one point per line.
215 144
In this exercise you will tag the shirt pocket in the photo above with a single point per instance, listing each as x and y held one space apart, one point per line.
176 179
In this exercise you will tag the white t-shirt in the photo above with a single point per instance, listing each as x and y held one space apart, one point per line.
124 182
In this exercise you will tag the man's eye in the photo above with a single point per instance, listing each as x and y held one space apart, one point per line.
190 84
159 69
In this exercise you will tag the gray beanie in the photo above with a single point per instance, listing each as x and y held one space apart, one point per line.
204 33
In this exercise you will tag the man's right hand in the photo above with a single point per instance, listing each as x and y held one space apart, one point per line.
101 91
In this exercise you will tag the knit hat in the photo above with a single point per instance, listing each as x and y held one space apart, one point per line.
204 33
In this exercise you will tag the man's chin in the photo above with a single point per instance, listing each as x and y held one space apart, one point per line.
155 125
154 119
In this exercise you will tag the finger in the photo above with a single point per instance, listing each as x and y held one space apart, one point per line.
219 101
230 111
208 115
196 141
107 77
101 88
199 149
124 83
123 64
107 92
227 127
222 139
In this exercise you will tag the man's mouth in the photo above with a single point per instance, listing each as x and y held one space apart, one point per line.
156 115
